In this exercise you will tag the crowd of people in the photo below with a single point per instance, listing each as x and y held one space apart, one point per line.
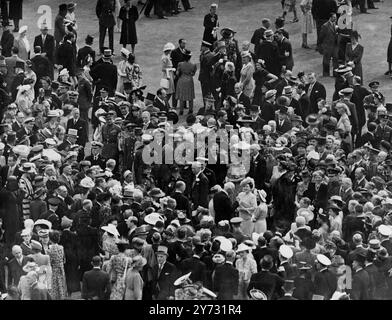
269 191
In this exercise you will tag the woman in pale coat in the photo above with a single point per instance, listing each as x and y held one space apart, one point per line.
133 281
247 205
344 124
122 68
307 21
246 79
260 214
167 69
23 44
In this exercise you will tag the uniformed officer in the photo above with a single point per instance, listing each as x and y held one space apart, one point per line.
325 282
110 132
286 270
96 158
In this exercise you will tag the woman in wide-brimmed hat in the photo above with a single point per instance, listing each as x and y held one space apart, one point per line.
261 213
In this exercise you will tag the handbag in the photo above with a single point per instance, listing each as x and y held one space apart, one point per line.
164 83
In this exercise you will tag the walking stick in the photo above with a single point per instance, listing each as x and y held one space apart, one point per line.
144 6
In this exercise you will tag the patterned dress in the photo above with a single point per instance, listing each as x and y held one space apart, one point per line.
57 261
307 18
116 268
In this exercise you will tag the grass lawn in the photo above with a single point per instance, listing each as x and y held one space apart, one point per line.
243 16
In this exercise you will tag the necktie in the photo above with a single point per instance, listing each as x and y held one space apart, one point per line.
310 89
160 270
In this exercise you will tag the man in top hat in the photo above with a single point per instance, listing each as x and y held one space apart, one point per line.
85 52
105 11
164 273
283 124
96 282
59 24
269 52
105 73
47 44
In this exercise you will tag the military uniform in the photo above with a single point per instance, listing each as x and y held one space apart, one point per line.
110 134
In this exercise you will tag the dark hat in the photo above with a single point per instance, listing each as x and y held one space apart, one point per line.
54 201
312 119
172 116
107 53
254 108
150 96
71 6
65 83
374 84
227 30
246 119
20 65
89 39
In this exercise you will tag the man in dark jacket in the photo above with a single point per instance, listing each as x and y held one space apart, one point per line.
269 283
199 187
315 90
47 44
361 281
165 273
41 65
268 106
81 126
96 283
329 44
258 35
285 50
7 41
105 74
177 56
226 278
105 11
325 282
222 206
193 264
65 54
321 11
59 25
268 51
86 51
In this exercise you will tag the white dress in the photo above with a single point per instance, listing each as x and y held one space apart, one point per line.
307 18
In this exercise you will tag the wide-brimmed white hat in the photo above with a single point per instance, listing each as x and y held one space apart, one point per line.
168 46
87 182
110 228
225 244
153 218
286 251
22 29
257 294
243 247
263 195
183 279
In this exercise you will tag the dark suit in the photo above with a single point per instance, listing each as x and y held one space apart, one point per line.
42 67
222 206
66 57
328 40
96 285
164 281
269 283
183 202
59 29
162 106
269 52
15 271
7 42
225 281
283 128
105 74
360 285
197 267
318 91
325 284
285 46
267 111
383 133
105 12
47 47
200 192
82 127
82 55
258 35
257 171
